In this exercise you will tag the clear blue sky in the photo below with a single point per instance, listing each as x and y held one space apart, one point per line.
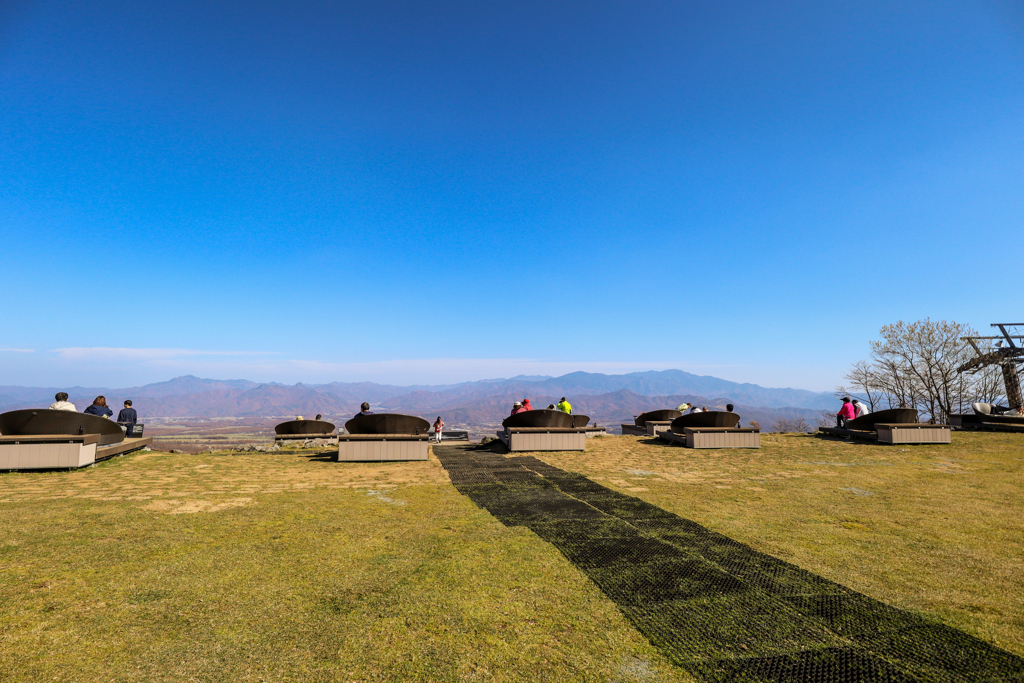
441 191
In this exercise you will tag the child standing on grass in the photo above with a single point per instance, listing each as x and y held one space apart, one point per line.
438 426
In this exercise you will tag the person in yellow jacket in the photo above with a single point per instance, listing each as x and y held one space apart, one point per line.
565 406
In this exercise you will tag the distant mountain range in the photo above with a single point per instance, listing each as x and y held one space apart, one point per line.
607 398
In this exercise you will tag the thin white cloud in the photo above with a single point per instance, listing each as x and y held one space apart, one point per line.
9 350
111 353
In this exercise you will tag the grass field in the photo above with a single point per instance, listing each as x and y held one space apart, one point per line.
284 566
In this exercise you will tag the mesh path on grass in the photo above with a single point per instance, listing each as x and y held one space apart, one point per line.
715 607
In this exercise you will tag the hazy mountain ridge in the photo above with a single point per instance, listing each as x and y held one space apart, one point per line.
608 399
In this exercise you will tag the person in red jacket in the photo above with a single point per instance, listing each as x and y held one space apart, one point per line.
526 405
847 412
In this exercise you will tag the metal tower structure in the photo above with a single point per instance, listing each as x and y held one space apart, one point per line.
1006 351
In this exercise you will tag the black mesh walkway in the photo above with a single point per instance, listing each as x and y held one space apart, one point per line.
717 608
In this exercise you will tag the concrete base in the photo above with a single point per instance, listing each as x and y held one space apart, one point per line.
715 437
660 426
382 447
303 437
595 431
544 439
61 452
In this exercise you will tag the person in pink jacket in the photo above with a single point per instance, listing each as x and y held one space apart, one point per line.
847 412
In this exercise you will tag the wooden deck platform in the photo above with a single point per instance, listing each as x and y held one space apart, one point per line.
972 423
61 451
895 433
382 447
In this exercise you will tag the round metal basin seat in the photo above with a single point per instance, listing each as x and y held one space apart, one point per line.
304 427
46 422
903 416
655 416
552 419
387 423
580 421
711 418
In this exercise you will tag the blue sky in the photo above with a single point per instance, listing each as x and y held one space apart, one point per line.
435 192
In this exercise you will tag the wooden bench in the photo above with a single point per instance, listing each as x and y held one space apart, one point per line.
715 437
633 430
519 439
382 447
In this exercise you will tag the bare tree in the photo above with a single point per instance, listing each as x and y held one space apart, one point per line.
863 382
791 424
914 365
826 418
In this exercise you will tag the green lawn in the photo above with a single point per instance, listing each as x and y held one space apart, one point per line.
266 567
283 566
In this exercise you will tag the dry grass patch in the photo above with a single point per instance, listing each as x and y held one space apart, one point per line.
284 566
938 529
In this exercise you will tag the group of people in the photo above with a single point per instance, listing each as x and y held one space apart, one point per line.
851 410
524 405
128 416
687 409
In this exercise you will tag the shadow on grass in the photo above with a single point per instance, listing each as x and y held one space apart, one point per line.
715 607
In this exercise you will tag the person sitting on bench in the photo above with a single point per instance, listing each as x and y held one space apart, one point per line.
61 402
846 413
859 407
364 410
128 417
99 407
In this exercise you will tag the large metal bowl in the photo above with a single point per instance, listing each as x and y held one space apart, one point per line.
656 416
554 419
387 423
46 422
580 421
710 418
304 427
867 422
